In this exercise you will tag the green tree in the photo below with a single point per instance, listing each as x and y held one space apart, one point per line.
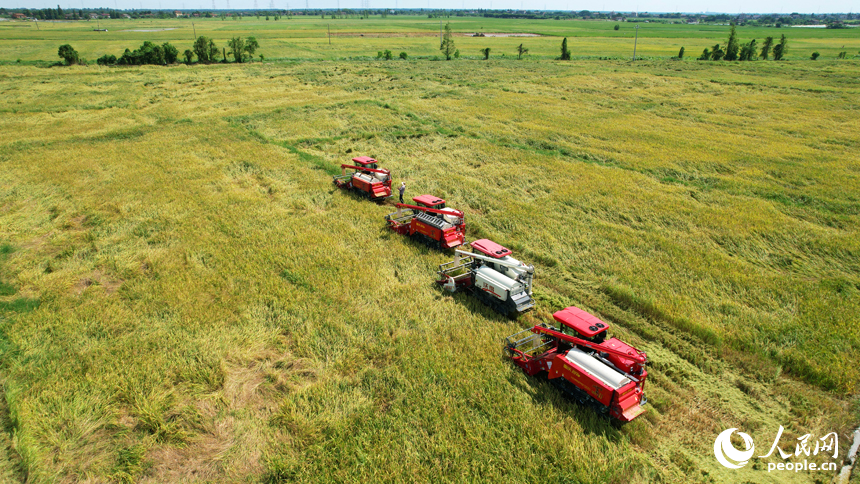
213 51
203 50
189 56
749 51
152 54
447 46
251 46
780 48
148 53
486 52
69 54
616 27
387 55
106 60
171 53
237 48
814 55
717 53
706 54
732 46
681 53
565 53
521 50
766 47
404 55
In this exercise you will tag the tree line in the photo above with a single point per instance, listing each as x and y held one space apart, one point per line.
204 48
749 51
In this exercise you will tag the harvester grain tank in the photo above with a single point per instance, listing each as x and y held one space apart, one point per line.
606 374
492 275
429 221
367 179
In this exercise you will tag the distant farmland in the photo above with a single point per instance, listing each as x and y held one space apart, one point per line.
307 38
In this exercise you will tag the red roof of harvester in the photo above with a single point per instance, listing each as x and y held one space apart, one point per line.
428 200
364 160
581 321
490 248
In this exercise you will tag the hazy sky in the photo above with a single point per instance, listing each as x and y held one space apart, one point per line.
729 6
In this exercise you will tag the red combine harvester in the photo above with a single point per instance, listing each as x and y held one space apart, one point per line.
496 278
368 179
430 221
606 374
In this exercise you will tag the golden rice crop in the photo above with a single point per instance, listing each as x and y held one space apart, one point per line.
192 299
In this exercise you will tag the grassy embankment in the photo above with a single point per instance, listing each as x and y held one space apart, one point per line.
185 296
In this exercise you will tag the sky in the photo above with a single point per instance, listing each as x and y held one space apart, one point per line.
692 6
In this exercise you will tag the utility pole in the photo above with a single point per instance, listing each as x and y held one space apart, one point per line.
440 32
195 30
328 26
634 41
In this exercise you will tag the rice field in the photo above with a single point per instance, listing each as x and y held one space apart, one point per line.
184 296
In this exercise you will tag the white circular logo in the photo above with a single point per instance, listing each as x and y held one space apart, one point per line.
723 448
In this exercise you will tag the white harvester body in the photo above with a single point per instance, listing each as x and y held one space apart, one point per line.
501 281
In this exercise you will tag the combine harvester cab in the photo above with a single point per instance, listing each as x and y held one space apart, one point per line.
430 221
607 374
367 179
492 275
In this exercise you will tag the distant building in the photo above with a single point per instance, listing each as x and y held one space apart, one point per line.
177 13
19 16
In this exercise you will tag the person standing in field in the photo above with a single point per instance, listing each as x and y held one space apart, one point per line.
402 190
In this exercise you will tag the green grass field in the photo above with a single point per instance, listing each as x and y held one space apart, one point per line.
184 296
